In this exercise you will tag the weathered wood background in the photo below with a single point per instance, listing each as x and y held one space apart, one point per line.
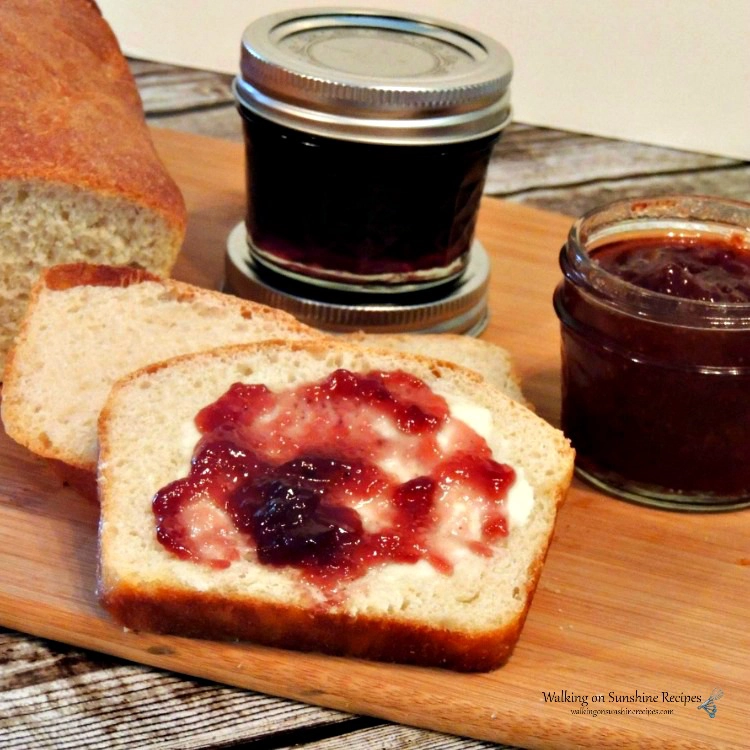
54 696
558 171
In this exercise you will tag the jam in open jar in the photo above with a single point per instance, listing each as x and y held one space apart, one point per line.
655 321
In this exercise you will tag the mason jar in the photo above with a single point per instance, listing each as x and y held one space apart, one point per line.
368 137
654 308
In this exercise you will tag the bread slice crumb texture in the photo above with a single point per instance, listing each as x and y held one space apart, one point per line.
87 326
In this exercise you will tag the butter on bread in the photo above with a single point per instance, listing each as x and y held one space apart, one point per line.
467 620
80 179
86 326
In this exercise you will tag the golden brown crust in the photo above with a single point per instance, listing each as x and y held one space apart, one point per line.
70 111
70 275
319 343
170 610
203 615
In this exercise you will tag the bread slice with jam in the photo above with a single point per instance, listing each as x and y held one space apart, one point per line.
316 495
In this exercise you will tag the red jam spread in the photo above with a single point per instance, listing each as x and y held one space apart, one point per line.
656 402
334 477
689 267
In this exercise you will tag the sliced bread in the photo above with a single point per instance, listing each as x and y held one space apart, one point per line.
489 360
464 614
87 326
80 179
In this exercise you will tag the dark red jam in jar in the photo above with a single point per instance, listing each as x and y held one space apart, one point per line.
367 140
333 477
655 314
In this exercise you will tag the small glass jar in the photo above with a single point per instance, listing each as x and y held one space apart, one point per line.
368 138
656 387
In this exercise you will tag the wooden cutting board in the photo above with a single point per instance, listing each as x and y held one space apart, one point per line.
632 601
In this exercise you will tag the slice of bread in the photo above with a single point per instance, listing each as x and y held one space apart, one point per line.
468 619
489 360
80 179
87 326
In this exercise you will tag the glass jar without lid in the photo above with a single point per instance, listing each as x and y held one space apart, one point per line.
368 138
655 322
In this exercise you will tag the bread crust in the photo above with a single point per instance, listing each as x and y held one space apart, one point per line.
175 611
71 275
200 615
67 276
489 360
70 111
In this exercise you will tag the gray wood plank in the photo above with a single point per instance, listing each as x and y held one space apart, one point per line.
56 697
53 696
730 182
186 93
387 737
572 173
168 89
530 158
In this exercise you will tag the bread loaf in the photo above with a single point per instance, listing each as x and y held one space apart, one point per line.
87 326
79 177
465 615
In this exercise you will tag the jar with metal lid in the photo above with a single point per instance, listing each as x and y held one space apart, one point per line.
655 320
368 137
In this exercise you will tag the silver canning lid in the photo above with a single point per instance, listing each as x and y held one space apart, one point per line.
461 309
374 76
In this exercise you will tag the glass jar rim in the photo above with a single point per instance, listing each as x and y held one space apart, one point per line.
698 214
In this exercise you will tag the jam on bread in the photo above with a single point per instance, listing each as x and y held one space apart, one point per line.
333 477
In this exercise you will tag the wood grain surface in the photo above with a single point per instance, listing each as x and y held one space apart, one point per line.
631 599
